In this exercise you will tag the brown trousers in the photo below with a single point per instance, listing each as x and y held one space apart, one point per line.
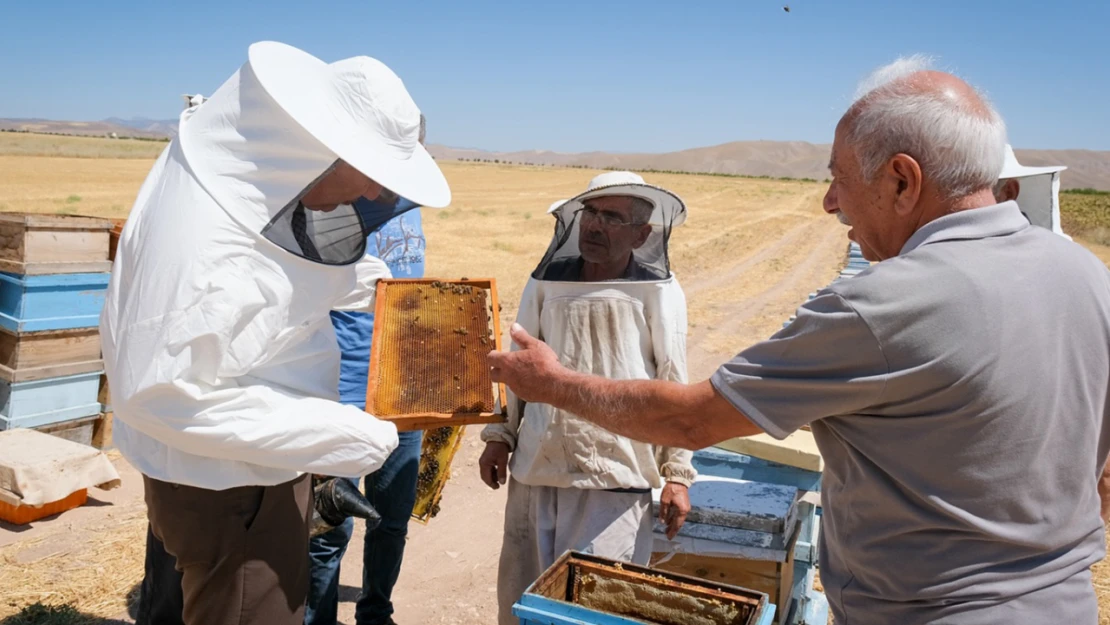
242 552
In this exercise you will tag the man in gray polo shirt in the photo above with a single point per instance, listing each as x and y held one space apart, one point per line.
958 389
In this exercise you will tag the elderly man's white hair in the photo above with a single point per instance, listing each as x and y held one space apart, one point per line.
958 141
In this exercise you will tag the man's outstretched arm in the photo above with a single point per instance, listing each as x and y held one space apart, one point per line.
653 411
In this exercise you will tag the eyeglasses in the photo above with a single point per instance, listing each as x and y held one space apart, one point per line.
608 220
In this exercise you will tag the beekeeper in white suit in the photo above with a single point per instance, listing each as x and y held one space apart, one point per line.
605 300
218 346
1035 189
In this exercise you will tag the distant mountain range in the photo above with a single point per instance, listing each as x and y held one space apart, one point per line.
136 127
788 159
777 159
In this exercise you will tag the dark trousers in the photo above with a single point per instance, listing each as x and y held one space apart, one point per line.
242 552
160 601
392 491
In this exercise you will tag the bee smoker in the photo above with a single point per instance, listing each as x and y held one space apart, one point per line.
337 499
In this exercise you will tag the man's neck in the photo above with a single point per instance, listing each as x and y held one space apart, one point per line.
979 199
601 272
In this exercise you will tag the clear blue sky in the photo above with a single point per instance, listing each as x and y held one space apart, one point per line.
578 76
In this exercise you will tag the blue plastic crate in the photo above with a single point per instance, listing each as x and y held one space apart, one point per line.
51 302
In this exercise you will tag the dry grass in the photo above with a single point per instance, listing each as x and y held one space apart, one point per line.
29 144
94 572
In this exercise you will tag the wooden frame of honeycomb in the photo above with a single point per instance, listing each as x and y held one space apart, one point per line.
429 354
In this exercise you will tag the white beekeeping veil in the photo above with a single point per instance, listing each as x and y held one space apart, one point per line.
650 260
284 122
1039 194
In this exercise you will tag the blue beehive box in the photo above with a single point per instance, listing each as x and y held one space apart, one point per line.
49 401
581 589
51 302
750 520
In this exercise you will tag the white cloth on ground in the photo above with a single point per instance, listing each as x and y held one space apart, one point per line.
619 330
37 468
218 344
542 523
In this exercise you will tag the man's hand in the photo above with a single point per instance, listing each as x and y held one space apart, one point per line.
531 372
494 464
674 505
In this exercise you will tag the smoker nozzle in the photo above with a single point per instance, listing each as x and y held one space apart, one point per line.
337 500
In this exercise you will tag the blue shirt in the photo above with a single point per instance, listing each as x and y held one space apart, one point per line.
400 243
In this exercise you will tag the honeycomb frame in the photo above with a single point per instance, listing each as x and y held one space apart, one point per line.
431 335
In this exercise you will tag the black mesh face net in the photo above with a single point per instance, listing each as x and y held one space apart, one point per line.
336 237
564 261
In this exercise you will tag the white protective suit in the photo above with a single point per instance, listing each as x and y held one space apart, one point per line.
218 345
623 329
1039 195
574 485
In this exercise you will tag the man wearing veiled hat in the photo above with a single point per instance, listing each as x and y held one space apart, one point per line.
605 300
218 343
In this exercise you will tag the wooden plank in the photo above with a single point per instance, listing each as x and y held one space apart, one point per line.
64 222
53 244
40 349
786 580
30 374
740 504
772 543
758 575
46 268
77 431
433 420
797 450
61 246
102 432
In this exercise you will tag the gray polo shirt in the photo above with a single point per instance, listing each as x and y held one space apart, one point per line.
959 396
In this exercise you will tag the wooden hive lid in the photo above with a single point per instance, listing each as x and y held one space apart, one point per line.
56 222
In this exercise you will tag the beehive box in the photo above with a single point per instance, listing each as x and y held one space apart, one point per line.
55 302
587 590
42 475
31 356
33 245
46 402
429 354
752 523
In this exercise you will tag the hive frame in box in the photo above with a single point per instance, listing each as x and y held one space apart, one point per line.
434 420
552 600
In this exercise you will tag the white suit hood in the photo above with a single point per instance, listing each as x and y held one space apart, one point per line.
218 345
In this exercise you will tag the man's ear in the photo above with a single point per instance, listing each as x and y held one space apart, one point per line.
905 172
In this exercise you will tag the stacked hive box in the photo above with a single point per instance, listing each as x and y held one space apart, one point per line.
54 270
856 264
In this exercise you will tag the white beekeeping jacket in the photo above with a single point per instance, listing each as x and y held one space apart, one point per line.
630 328
1039 196
218 345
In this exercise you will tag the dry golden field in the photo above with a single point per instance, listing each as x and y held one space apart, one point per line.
749 253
